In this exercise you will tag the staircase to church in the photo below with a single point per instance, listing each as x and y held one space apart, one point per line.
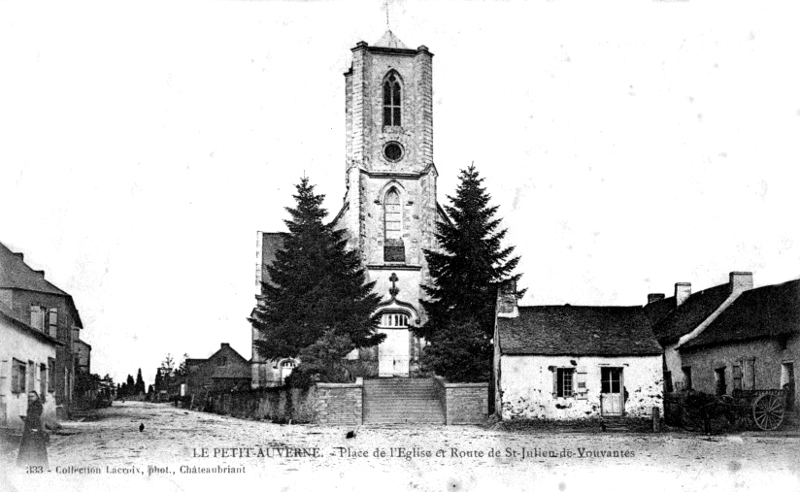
402 400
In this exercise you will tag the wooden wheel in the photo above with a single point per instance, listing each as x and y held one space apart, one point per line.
768 412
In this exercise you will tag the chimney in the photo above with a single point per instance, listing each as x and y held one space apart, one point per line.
21 256
41 272
682 292
223 345
740 282
651 298
507 299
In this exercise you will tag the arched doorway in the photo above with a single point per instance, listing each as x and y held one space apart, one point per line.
395 351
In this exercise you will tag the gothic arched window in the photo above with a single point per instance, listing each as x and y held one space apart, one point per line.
393 249
391 100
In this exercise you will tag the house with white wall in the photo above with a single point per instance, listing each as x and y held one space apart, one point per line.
574 362
27 363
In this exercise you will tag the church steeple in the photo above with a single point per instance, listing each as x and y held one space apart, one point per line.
389 40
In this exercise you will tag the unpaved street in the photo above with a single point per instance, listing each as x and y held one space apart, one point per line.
182 450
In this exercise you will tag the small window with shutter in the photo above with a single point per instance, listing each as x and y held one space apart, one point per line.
564 378
581 391
52 322
18 370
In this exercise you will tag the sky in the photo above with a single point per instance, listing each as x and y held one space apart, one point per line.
628 145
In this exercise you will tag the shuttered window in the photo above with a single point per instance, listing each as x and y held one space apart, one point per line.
563 382
37 317
51 370
52 322
18 376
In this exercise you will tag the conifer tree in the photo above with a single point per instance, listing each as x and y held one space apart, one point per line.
318 289
466 274
139 383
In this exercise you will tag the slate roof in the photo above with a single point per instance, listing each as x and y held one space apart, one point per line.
690 314
577 330
658 310
16 274
768 311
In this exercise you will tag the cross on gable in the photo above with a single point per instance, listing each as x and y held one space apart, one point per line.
393 290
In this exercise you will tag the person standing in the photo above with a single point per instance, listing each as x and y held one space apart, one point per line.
33 449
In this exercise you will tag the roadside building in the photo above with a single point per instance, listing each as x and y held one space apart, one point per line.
27 363
224 370
574 362
28 297
692 314
753 344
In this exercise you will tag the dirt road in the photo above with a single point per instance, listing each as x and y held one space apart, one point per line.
182 450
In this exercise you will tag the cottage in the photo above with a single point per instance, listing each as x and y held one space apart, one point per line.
753 344
691 315
574 362
225 369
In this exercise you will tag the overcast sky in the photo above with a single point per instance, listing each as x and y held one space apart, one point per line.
629 145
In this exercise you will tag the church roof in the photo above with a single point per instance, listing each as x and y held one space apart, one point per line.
389 40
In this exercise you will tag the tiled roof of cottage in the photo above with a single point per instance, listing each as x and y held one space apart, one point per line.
658 310
768 311
16 274
235 366
690 314
577 330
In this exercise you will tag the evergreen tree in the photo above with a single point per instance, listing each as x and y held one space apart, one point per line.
139 383
318 289
466 275
130 386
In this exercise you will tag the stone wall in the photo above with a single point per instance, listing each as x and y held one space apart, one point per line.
464 403
338 404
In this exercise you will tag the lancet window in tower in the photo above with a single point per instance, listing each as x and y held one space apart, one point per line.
391 101
393 249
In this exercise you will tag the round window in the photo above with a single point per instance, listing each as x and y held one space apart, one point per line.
393 151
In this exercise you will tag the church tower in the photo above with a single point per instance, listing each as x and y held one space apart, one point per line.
390 209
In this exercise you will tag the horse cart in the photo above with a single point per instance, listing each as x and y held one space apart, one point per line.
744 409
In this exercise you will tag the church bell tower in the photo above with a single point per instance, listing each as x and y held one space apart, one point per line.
390 209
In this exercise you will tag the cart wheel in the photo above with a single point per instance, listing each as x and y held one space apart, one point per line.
768 412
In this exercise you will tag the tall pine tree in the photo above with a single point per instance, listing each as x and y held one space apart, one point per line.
466 274
318 305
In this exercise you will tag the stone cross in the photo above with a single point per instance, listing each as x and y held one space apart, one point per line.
393 290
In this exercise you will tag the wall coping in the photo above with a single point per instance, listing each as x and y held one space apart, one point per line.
338 385
465 385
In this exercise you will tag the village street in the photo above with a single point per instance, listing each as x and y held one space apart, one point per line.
108 451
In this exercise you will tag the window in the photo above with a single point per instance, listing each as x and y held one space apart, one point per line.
564 382
393 248
668 381
42 381
722 388
750 374
51 369
18 376
37 317
687 377
391 320
737 377
52 322
610 378
391 101
31 375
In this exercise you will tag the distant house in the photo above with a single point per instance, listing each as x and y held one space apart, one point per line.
574 362
691 315
27 363
27 297
225 369
83 356
753 344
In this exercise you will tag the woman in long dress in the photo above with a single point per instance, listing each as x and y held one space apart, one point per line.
33 450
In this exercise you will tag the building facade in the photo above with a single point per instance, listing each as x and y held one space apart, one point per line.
27 297
390 209
574 362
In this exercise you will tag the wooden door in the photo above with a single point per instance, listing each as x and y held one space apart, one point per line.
612 398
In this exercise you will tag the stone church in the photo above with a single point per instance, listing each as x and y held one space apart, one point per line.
390 209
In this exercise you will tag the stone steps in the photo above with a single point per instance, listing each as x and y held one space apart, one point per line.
402 400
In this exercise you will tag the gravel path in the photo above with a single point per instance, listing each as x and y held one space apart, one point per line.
109 452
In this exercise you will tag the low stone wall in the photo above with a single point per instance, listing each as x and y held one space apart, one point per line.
339 404
323 403
276 404
464 403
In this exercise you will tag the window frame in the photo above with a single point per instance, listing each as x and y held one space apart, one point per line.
51 371
392 107
18 376
564 382
687 377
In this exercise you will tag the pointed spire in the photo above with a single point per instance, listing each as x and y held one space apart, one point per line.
389 40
